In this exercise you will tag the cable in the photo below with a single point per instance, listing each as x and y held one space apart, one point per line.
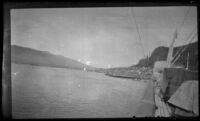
181 25
184 48
137 28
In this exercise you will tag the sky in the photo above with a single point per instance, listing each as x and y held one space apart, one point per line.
102 36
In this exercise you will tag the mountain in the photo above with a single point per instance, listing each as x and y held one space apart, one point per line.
24 55
160 53
143 70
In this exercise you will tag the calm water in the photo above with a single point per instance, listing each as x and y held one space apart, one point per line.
44 92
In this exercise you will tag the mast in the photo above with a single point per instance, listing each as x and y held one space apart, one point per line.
170 52
170 58
188 61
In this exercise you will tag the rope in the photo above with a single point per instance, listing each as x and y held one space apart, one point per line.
183 46
170 53
137 28
184 49
181 25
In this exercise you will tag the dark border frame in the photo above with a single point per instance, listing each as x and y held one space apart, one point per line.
7 6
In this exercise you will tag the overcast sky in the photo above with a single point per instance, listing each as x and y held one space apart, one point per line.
101 36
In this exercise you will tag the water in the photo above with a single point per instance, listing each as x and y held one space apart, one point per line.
44 92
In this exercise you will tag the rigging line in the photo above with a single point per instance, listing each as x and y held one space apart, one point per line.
188 38
181 25
137 28
184 48
186 43
184 18
181 50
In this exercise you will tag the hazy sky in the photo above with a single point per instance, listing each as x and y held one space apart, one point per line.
101 37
